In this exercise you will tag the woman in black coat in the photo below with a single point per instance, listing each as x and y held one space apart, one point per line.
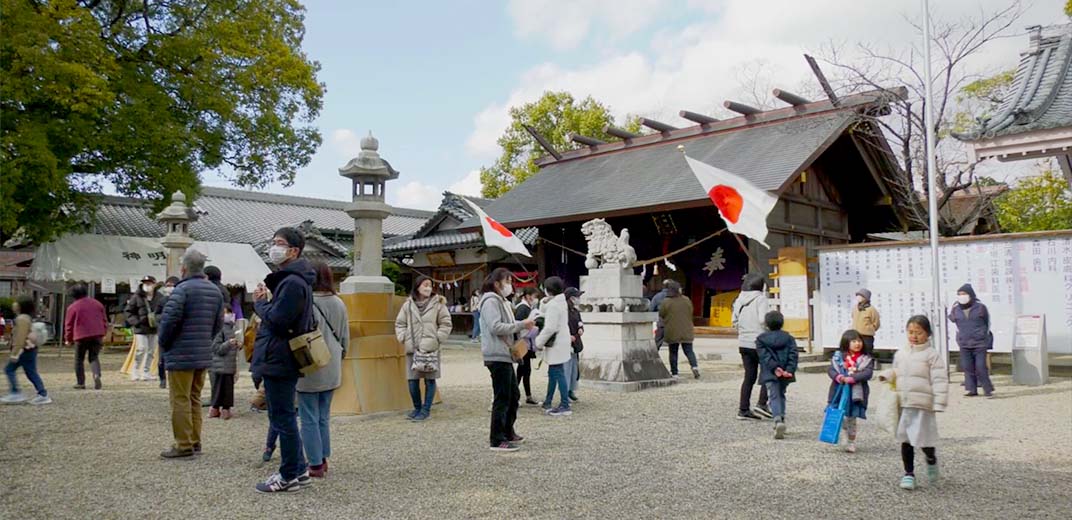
141 318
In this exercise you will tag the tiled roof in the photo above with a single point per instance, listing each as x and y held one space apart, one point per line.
228 215
650 176
1041 94
442 241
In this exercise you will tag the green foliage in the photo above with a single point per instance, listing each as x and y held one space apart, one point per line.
986 181
555 115
393 272
146 95
978 100
5 308
1039 203
1068 8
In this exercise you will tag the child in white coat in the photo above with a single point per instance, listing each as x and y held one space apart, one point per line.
923 388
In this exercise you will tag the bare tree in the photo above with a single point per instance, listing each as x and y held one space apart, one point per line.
865 67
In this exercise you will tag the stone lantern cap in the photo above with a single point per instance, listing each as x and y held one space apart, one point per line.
177 210
368 162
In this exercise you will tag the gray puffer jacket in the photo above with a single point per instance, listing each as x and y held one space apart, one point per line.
334 325
498 330
192 318
224 354
749 310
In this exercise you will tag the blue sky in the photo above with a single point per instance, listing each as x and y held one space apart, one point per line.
433 80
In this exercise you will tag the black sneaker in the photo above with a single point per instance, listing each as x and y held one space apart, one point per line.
197 449
79 387
695 372
745 416
573 397
96 383
763 411
276 484
505 447
163 384
304 479
530 401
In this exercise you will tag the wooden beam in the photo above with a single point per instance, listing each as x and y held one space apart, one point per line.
822 80
657 125
585 140
697 118
544 143
790 97
741 108
793 197
807 230
619 132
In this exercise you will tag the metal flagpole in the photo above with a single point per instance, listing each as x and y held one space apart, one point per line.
937 311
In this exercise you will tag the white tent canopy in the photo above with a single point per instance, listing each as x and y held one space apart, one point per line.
92 258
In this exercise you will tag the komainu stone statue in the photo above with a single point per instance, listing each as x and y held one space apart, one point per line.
605 248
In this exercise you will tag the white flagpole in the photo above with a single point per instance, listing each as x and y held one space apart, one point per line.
937 310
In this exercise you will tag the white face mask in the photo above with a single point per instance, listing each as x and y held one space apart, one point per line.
507 290
228 318
166 291
277 254
575 301
147 287
963 299
860 299
425 291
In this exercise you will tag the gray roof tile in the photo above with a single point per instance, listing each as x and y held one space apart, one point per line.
451 240
1041 94
245 217
653 175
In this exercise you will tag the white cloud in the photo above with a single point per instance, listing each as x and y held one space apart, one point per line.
469 185
416 195
566 24
419 195
346 142
697 67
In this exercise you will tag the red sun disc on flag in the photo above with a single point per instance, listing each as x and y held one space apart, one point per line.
728 201
501 228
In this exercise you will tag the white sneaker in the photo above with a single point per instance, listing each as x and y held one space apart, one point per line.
41 399
135 377
148 377
14 398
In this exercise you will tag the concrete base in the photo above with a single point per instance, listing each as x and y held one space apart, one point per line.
631 386
619 352
367 285
374 368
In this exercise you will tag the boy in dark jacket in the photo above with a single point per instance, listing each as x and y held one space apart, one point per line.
778 362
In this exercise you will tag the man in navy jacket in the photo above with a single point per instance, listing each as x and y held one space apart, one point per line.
284 304
192 317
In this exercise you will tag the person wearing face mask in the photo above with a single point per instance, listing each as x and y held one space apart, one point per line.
576 327
165 292
522 312
224 366
974 338
142 322
288 313
422 325
865 318
498 332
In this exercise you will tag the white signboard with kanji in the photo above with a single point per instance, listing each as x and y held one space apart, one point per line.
1012 275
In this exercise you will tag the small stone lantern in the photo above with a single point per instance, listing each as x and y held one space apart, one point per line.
368 173
177 218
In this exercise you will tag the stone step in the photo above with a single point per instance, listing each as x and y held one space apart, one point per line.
812 367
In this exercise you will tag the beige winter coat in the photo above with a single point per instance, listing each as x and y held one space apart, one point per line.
920 376
866 322
424 331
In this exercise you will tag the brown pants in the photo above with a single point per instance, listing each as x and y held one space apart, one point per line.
185 390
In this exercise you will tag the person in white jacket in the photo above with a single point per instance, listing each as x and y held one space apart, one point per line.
748 311
554 342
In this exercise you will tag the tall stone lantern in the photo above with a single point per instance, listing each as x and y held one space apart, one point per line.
374 367
368 174
177 219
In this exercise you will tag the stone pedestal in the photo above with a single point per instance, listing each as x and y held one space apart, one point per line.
619 343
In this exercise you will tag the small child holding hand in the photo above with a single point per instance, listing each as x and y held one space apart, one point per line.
778 362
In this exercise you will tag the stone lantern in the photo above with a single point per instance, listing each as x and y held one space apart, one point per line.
177 218
368 174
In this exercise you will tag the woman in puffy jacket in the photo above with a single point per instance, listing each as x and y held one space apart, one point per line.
974 338
422 325
554 341
141 318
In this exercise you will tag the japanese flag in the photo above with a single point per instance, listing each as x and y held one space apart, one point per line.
496 234
743 206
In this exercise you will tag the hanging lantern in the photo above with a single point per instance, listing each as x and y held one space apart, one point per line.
656 269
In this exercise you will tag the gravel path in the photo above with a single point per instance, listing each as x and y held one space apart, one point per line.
675 451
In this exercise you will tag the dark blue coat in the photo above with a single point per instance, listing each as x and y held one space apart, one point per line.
192 317
776 349
973 322
288 315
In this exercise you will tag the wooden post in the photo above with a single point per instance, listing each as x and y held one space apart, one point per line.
744 248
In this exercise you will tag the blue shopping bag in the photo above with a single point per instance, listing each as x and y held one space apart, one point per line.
835 413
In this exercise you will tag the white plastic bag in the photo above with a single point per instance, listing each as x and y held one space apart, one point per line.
888 408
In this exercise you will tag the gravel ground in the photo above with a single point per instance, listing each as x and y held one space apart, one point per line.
675 451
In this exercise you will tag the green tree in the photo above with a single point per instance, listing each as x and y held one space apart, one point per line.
1039 203
554 116
145 95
